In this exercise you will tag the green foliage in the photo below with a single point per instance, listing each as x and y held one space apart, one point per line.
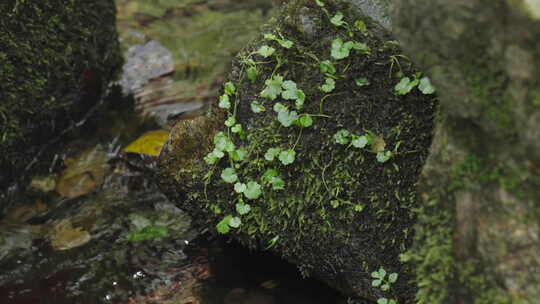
229 122
359 141
384 283
257 107
272 153
384 156
229 88
223 143
425 86
328 86
266 51
386 301
148 233
362 82
305 121
237 128
240 187
227 223
278 107
286 157
358 207
229 175
238 155
271 176
273 87
341 50
300 98
252 73
283 42
361 26
327 67
342 137
290 90
253 190
337 20
405 85
212 157
286 117
381 281
224 102
235 222
242 208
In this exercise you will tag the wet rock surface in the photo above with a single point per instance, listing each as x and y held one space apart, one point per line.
143 63
85 250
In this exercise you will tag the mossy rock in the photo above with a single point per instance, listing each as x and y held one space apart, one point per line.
342 213
476 238
56 57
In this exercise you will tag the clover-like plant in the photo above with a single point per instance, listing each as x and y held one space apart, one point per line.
405 85
337 20
328 86
283 42
425 86
362 81
266 51
344 137
380 280
252 73
327 68
341 49
227 222
271 176
273 87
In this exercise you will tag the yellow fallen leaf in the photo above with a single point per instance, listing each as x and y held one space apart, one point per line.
150 143
378 144
270 284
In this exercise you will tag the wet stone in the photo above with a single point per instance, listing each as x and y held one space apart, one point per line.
144 62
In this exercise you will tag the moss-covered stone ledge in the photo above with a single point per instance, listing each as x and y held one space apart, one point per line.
477 237
319 155
55 57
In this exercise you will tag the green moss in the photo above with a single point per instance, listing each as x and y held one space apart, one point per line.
535 97
327 182
432 256
484 286
434 264
489 94
474 170
54 55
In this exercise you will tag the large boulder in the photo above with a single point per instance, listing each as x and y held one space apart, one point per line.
320 152
56 57
476 240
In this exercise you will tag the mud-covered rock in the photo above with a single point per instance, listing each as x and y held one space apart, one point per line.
321 151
